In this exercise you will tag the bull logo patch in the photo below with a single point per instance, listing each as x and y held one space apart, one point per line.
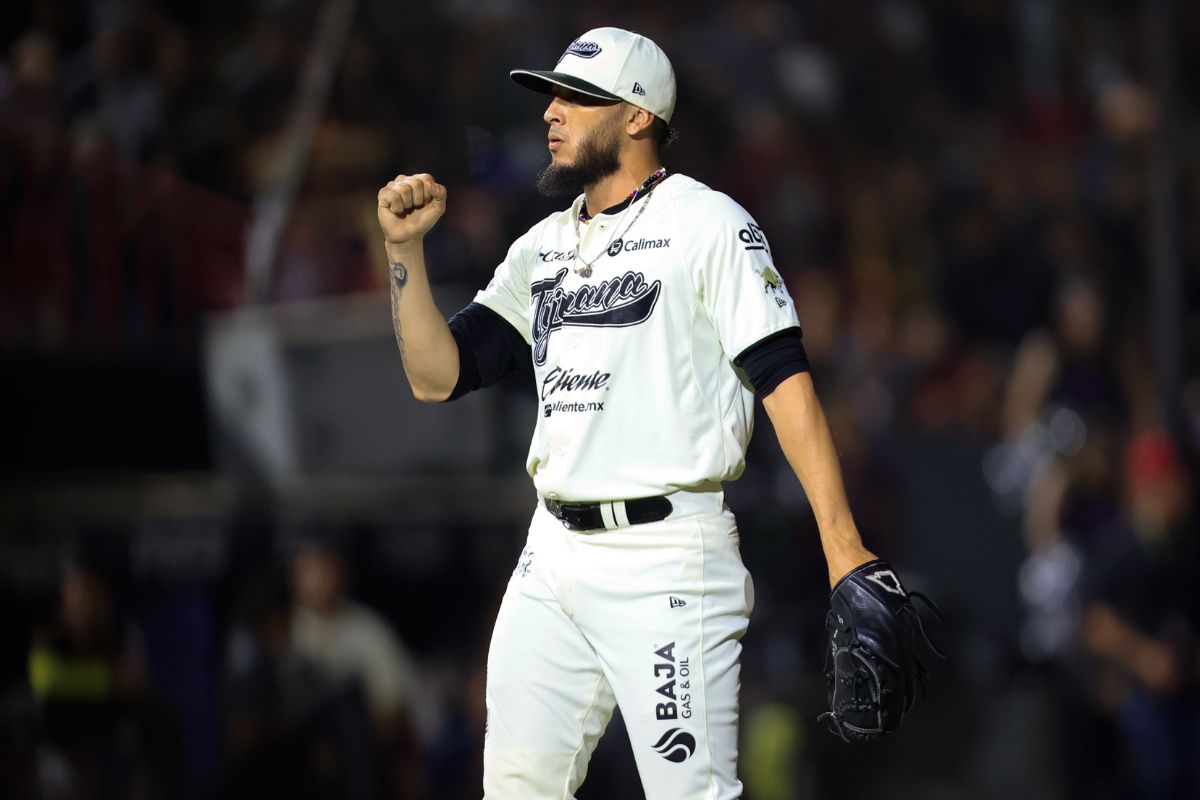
771 280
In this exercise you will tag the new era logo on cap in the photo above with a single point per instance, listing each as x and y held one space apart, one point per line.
603 63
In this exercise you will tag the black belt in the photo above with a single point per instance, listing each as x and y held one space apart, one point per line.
609 514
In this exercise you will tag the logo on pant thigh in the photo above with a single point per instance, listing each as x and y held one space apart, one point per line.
673 702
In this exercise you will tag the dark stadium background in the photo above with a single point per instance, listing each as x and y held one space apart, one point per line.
987 211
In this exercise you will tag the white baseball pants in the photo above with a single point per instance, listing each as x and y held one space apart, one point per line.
648 617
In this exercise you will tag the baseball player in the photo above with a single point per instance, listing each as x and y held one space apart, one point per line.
653 314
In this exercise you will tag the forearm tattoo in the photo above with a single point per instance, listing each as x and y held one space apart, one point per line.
399 278
399 273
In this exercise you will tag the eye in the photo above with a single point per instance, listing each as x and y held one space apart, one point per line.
567 95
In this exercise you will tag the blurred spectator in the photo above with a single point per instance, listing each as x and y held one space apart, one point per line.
290 729
1065 415
268 685
1071 366
1071 506
348 642
110 89
100 731
30 86
1142 620
196 128
87 652
1068 397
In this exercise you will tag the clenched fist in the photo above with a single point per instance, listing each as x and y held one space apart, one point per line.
409 206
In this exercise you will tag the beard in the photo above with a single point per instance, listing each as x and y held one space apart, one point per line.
599 156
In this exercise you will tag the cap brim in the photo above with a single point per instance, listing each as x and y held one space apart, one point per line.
544 81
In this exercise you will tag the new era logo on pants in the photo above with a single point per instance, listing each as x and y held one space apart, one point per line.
676 602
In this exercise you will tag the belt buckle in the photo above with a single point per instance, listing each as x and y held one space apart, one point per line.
568 522
558 510
555 507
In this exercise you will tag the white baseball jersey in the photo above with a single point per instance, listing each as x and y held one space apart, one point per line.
638 395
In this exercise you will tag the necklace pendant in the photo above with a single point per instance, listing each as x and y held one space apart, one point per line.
585 272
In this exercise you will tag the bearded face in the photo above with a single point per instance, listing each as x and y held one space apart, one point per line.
597 156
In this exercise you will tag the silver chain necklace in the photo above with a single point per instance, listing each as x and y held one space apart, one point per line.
586 270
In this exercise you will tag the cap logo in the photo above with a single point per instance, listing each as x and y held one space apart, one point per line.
582 49
637 89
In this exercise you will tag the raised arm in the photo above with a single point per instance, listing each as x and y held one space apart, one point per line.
409 206
804 436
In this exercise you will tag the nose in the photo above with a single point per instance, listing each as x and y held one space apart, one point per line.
554 111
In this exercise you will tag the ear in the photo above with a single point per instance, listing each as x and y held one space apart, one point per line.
637 120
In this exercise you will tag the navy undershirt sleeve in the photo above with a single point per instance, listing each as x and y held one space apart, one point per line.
769 362
489 348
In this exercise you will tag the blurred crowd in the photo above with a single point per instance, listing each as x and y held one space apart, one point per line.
315 695
957 195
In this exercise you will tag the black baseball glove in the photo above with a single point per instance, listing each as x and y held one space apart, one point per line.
870 665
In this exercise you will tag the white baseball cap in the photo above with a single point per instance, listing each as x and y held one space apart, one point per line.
611 64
